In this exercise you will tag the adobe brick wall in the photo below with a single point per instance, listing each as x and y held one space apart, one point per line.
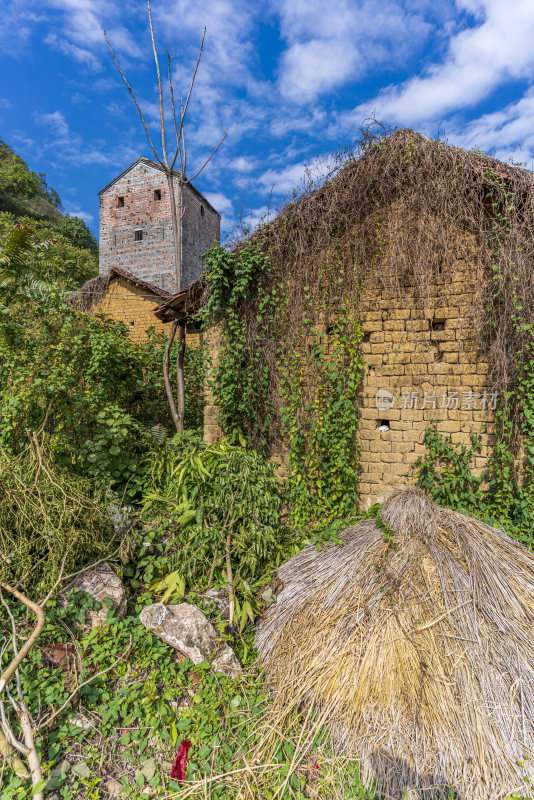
134 306
410 348
152 258
427 356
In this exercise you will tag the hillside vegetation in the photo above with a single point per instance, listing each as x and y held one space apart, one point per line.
26 199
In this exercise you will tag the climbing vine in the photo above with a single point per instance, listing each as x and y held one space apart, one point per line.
309 387
400 211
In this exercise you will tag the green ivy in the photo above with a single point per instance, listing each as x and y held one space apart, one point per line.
317 383
240 382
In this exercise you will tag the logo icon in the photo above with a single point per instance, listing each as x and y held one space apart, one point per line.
384 399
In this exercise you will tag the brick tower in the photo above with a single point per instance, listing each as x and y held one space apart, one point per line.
136 227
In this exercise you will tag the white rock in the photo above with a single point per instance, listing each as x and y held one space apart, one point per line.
102 583
114 787
188 630
81 721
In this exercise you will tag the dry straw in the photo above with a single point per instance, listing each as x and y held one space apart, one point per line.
417 647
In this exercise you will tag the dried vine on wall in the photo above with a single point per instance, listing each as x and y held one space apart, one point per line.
395 211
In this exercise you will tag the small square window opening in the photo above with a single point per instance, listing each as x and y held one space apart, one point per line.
138 236
438 324
157 194
120 202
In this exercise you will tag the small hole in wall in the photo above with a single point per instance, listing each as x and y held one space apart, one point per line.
438 324
157 194
331 329
120 202
132 322
382 425
202 211
366 338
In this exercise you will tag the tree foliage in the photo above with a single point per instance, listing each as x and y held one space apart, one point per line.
26 199
96 392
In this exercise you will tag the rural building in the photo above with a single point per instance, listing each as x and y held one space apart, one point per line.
136 261
124 298
404 239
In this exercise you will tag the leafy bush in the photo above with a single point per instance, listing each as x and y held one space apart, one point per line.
92 387
445 471
71 260
445 474
221 503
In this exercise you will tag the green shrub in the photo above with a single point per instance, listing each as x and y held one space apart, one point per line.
95 391
213 500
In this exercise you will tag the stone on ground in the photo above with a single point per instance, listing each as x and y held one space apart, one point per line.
189 631
102 583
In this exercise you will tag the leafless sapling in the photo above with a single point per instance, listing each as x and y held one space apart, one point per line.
176 180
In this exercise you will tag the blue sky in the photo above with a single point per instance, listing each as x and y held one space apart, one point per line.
288 79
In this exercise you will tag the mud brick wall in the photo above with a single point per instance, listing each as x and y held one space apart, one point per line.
134 306
423 362
423 359
212 343
152 257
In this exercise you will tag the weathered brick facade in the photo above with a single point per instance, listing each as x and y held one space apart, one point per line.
423 353
132 305
427 356
136 227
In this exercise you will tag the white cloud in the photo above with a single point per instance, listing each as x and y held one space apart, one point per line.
331 44
313 67
479 59
55 122
242 164
224 206
509 132
283 180
63 145
74 210
220 202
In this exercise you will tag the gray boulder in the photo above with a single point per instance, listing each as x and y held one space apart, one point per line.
102 583
189 631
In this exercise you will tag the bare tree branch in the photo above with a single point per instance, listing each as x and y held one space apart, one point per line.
180 377
207 160
176 131
38 611
168 388
184 110
160 88
134 98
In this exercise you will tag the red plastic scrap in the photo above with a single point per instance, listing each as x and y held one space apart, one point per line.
178 768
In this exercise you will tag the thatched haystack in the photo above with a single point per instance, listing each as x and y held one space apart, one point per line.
415 643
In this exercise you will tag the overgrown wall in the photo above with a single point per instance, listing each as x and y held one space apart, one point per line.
425 356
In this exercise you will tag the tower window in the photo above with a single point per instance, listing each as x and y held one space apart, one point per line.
120 202
201 211
138 235
157 194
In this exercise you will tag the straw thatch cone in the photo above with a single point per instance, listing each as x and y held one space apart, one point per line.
416 647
